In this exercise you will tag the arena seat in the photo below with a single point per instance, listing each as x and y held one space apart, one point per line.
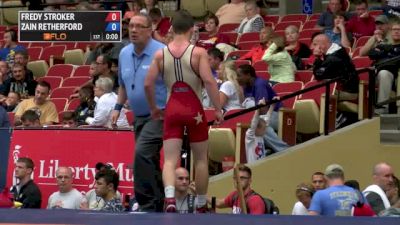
310 24
221 143
250 36
314 16
54 81
281 26
294 17
304 76
308 33
288 87
288 103
361 41
60 103
49 51
39 68
271 18
40 44
260 65
81 71
232 36
74 57
68 45
62 92
236 54
247 45
73 104
34 53
263 74
74 81
60 70
228 27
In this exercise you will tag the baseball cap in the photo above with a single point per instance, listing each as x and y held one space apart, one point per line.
381 19
333 169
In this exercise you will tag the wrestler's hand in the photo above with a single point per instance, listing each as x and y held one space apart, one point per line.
114 117
157 114
218 117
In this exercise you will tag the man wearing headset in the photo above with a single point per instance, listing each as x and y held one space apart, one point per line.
7 53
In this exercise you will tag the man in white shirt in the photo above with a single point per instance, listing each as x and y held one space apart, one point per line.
67 197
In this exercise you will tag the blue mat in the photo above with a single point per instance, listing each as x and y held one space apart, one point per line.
31 216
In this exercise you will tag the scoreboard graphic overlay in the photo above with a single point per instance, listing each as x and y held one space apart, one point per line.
69 26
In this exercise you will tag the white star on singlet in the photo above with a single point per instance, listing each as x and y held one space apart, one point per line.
198 118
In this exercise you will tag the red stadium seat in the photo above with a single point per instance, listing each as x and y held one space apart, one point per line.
263 74
62 92
314 16
75 81
34 53
260 65
241 62
283 25
306 41
68 45
269 24
60 70
362 62
203 35
251 36
288 103
375 13
232 37
310 24
361 41
84 45
3 28
271 18
355 52
294 17
52 51
288 87
304 76
316 94
82 71
243 119
247 45
60 103
228 27
73 104
236 54
54 81
40 44
308 33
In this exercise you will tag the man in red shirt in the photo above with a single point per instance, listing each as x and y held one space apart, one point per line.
256 53
254 203
362 24
160 24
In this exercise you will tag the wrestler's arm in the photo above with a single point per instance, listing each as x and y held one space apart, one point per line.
149 84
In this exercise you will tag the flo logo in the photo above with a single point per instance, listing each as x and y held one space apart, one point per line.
54 36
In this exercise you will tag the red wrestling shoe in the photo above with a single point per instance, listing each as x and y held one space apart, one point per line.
169 205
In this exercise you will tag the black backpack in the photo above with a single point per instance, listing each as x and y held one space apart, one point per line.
270 207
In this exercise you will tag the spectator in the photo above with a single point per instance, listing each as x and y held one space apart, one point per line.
4 120
325 21
255 147
104 106
230 92
254 203
215 58
381 35
46 108
232 12
280 64
26 191
148 5
255 89
337 199
296 49
5 74
103 69
89 83
382 182
338 34
11 101
160 25
318 181
184 83
87 105
10 46
114 66
66 197
387 73
253 21
304 193
107 182
30 118
19 83
68 119
362 24
256 53
22 57
214 37
332 61
110 49
394 192
185 201
135 59
361 208
135 8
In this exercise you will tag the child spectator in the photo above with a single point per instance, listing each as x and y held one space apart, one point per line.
280 64
30 118
68 119
255 147
87 105
11 101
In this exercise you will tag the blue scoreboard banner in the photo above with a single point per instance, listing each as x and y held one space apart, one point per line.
69 26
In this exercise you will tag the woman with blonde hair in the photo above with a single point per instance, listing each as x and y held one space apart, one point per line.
230 92
304 193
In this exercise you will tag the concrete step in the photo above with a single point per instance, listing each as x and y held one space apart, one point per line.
390 136
390 122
